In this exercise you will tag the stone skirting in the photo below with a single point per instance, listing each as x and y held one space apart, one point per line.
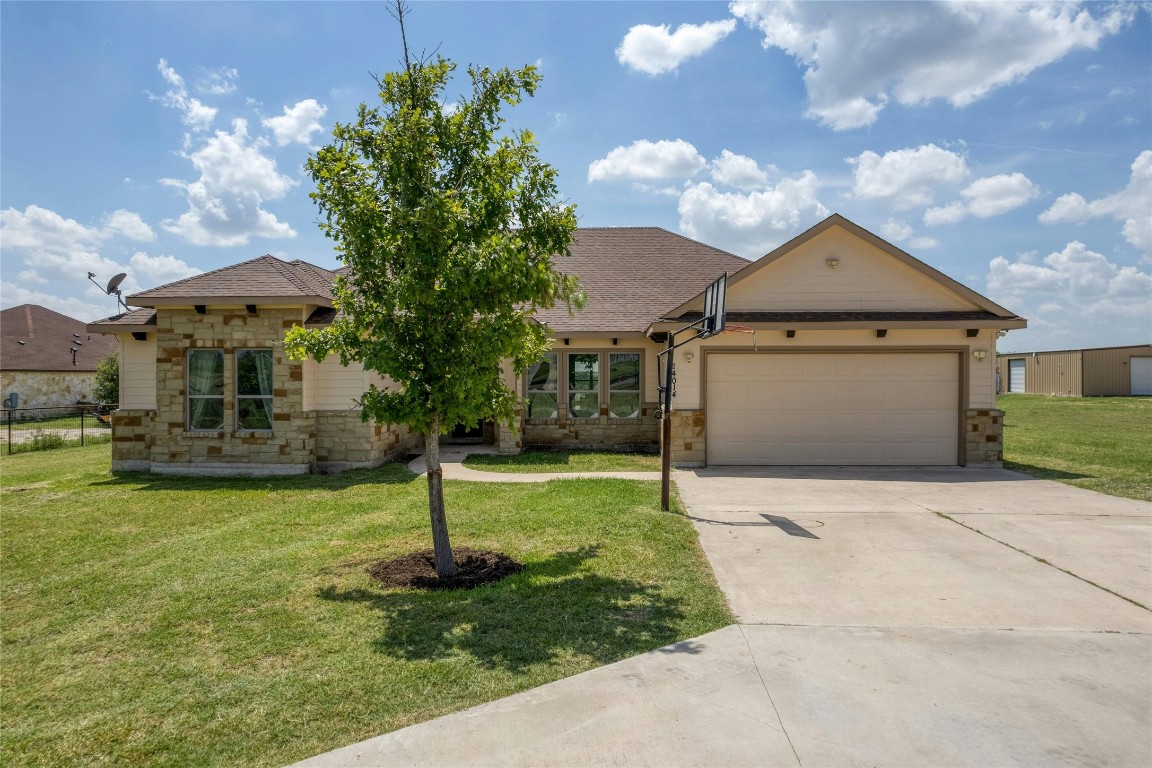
508 439
132 440
597 433
344 442
984 438
688 447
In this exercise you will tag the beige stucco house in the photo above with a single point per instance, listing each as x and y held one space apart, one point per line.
843 349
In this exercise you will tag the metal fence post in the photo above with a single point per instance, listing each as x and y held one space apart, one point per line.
82 410
9 431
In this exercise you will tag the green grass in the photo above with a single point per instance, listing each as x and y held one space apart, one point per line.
175 621
565 461
1099 443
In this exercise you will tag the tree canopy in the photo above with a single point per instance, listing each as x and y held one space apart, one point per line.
449 226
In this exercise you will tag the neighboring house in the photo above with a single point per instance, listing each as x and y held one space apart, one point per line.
845 350
47 359
1097 372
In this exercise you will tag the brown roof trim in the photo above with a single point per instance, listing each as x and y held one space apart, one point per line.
862 319
836 220
132 320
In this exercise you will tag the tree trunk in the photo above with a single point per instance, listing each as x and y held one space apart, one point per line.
445 564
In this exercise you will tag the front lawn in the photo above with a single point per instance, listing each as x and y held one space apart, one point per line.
1099 443
167 621
564 461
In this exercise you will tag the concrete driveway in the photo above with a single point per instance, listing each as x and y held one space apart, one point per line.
887 617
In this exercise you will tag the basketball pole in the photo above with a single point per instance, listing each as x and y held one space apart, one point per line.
711 324
666 426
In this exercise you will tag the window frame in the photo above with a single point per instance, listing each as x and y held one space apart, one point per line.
237 395
554 391
603 390
189 397
638 391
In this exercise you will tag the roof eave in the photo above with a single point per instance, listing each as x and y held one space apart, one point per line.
141 300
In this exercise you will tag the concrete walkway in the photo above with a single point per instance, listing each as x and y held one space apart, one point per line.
888 617
452 457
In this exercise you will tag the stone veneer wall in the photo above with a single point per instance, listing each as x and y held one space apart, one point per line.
984 438
508 439
343 442
132 440
288 448
47 389
601 432
688 438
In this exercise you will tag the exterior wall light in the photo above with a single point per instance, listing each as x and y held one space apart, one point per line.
832 262
688 356
980 354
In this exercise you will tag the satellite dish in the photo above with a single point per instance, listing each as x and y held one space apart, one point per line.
114 283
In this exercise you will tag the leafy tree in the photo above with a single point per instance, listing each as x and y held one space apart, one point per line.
449 226
106 387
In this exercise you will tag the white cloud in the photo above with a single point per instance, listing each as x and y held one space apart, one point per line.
753 223
906 178
654 50
197 115
298 123
738 171
224 204
648 160
160 269
1073 294
984 198
897 230
128 224
218 82
858 56
61 252
13 294
1132 205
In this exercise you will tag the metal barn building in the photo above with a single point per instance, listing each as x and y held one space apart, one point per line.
1099 372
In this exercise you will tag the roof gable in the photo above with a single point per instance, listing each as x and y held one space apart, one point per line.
264 278
870 275
34 338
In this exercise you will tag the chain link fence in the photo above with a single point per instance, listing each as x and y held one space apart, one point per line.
40 429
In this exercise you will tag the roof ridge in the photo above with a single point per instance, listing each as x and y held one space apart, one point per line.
200 275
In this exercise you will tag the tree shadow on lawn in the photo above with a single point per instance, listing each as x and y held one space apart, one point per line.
1045 473
550 610
393 473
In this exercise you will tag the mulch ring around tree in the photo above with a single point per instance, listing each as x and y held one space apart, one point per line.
418 570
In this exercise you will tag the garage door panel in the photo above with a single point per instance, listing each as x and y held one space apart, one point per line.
833 408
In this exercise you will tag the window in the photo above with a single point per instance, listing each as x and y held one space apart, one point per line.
253 389
624 385
205 389
584 385
544 389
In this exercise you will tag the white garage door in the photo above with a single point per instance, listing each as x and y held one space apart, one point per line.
1141 373
833 408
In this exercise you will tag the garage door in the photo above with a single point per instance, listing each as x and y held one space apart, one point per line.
842 408
1141 373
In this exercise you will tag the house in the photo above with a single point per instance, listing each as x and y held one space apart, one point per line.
843 349
47 360
1096 372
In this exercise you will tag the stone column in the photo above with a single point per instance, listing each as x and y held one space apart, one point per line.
984 438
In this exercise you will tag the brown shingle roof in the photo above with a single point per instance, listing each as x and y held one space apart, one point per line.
264 277
48 340
132 320
633 275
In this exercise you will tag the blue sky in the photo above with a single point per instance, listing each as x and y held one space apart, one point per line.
1009 146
